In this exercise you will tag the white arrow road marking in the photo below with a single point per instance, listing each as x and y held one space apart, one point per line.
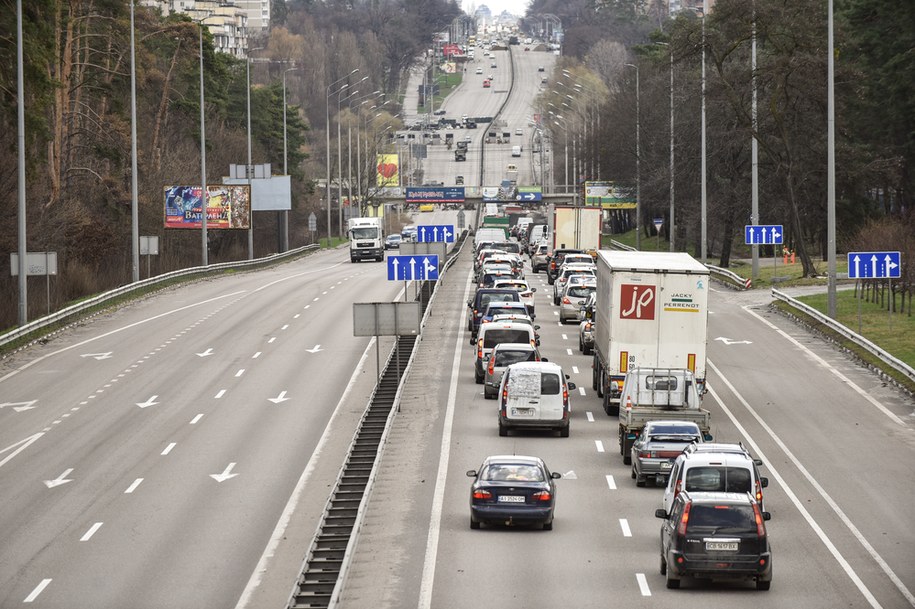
59 480
315 349
19 406
225 475
206 353
280 398
98 356
729 341
570 475
150 402
38 590
24 444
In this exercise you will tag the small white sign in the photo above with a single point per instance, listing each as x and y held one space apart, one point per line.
36 263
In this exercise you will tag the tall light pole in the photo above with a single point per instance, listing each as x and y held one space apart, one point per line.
327 149
754 149
284 215
703 221
204 199
831 172
134 213
20 103
340 99
249 169
638 164
673 226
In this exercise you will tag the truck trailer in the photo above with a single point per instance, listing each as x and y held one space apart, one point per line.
651 311
366 239
576 227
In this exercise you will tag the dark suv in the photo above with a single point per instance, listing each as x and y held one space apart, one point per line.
481 300
554 261
715 536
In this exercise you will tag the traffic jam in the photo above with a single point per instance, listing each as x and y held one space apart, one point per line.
620 307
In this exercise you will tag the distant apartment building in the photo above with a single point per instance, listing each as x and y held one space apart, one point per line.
229 21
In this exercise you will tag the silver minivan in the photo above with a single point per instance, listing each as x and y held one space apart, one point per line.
534 395
494 333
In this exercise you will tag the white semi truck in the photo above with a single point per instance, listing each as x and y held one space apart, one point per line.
366 239
651 312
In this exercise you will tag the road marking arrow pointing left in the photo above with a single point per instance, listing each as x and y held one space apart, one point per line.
280 398
19 406
225 475
61 479
150 402
98 356
315 349
209 351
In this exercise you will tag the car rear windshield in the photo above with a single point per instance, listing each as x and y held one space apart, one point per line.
718 478
485 299
721 518
496 336
507 358
580 291
509 472
550 384
505 310
508 246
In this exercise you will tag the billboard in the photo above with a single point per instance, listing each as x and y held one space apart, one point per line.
387 166
227 206
273 193
424 194
609 195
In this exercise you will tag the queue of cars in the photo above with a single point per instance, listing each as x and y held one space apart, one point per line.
712 505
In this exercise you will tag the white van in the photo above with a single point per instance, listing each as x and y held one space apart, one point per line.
516 150
534 395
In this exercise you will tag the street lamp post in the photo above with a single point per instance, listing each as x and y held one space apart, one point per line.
248 168
703 221
327 148
134 213
672 227
203 161
340 99
638 165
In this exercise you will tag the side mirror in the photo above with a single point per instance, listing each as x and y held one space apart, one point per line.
469 303
537 342
557 475
572 386
708 437
543 359
764 482
658 513
471 473
536 327
533 289
472 341
766 516
757 461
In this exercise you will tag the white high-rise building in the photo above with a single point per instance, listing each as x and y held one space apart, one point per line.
229 21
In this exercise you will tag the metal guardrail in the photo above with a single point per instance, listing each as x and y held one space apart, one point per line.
100 299
835 326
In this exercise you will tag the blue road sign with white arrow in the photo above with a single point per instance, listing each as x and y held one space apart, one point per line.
431 232
410 268
874 265
763 234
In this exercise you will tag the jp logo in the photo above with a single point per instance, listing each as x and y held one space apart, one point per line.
637 301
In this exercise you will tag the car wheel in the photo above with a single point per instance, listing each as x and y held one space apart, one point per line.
663 566
564 432
672 582
478 378
488 394
548 526
581 345
763 585
503 431
627 460
474 524
640 481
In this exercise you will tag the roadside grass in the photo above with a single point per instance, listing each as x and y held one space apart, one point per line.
446 84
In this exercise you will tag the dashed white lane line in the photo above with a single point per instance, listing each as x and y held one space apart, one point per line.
599 445
240 372
169 448
324 293
611 482
133 486
574 369
92 530
643 584
296 316
624 525
38 590
195 420
284 327
272 338
569 351
256 355
581 390
556 313
590 416
221 393
315 299
308 305
565 337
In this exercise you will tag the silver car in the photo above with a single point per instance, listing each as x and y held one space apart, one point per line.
586 326
563 275
504 355
659 444
572 299
539 257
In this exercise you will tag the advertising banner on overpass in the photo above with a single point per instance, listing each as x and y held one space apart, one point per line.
429 194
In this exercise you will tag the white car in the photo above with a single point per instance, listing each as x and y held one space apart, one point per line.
524 290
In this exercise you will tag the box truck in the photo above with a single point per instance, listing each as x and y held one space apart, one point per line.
366 239
651 312
576 227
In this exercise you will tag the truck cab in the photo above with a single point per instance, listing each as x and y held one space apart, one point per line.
366 239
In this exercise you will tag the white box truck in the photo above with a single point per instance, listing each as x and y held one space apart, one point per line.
366 239
576 227
651 312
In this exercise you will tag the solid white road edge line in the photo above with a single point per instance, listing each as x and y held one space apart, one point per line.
797 502
438 498
830 368
280 530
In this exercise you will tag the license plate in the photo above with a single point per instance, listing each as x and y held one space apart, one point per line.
522 412
721 546
511 498
666 465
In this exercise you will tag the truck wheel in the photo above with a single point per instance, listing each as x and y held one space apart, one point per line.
503 431
586 349
564 432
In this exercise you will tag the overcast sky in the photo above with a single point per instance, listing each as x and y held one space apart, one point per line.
516 7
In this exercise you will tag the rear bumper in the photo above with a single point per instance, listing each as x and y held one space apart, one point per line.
511 514
722 567
653 467
534 423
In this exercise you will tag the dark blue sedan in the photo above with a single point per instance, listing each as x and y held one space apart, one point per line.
510 490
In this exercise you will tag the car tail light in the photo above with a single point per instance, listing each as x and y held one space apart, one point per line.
482 494
758 493
588 327
566 301
504 399
760 523
492 365
542 496
565 396
480 349
677 488
681 529
645 454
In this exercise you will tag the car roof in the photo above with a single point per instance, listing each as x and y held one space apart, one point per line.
513 459
677 423
515 346
720 447
508 304
539 367
719 497
505 325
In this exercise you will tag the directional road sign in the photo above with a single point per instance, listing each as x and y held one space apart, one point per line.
409 268
874 265
763 234
431 232
529 194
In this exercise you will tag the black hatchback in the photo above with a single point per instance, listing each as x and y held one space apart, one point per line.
715 536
